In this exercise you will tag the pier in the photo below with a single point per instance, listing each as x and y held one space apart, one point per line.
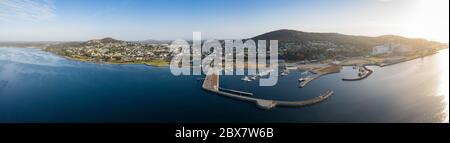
211 84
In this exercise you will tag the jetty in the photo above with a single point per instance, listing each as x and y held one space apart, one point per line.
313 77
318 72
367 72
236 91
211 84
307 80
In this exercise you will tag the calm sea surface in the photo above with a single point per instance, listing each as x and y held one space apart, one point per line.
37 86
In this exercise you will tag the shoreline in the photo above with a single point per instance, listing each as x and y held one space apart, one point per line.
162 64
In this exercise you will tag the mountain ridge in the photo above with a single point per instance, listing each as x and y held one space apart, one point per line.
299 45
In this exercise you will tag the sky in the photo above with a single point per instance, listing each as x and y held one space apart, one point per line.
80 20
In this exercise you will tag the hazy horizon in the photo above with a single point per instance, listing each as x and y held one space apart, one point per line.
81 20
190 38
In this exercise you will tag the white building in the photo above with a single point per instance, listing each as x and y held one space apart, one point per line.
383 49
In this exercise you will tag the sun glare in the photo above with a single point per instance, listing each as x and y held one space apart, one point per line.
430 19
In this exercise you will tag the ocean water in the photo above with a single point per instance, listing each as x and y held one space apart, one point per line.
39 87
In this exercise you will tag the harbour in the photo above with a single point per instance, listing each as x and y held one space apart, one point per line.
212 84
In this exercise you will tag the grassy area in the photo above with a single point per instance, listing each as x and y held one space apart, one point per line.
330 69
156 63
79 58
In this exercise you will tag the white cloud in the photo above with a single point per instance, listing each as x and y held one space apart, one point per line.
28 10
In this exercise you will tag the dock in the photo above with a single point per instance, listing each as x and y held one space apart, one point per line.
211 84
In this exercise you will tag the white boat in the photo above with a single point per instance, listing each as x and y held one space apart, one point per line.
265 73
302 79
246 78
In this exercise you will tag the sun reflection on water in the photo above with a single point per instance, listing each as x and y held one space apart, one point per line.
443 82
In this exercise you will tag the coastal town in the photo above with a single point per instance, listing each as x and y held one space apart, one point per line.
113 51
329 61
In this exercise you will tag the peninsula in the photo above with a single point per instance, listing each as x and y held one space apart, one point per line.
112 51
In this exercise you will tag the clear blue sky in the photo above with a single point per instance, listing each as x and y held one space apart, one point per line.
174 19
